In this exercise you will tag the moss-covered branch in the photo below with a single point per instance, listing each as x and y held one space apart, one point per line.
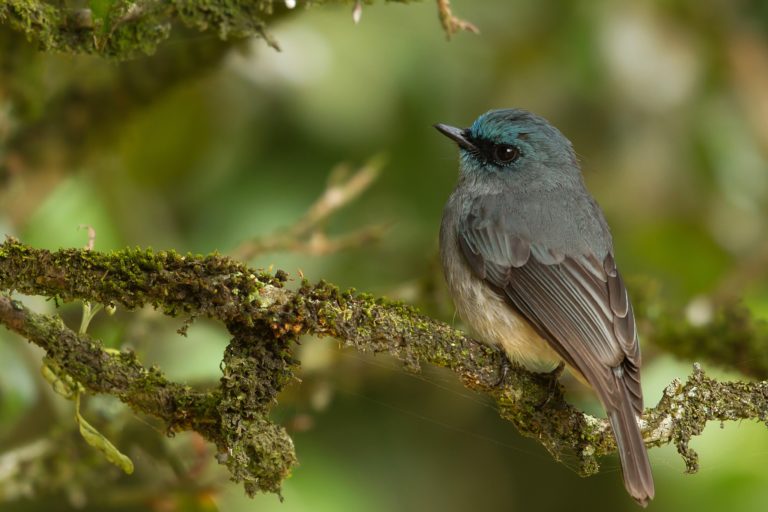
85 360
124 28
264 317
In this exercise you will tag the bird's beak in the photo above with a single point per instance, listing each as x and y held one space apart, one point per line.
456 134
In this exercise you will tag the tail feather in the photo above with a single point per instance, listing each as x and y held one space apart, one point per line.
636 468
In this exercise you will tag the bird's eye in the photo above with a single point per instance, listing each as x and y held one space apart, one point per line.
504 153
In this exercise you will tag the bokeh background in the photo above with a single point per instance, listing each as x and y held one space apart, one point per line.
206 144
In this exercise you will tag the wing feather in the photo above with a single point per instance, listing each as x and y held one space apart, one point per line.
578 303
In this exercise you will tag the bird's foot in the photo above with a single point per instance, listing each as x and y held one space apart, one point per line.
554 375
552 378
504 368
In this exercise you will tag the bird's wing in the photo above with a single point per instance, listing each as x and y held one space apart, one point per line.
578 303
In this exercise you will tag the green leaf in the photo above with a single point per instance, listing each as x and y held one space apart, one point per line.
61 383
94 438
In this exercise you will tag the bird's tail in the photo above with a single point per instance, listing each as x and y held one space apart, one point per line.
634 457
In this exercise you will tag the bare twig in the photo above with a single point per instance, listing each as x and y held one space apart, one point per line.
91 236
357 12
451 23
308 233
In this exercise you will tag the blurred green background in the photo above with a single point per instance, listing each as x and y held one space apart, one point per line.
207 144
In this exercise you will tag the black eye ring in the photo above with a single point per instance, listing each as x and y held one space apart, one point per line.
505 153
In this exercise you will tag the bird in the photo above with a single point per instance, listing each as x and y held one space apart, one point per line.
529 262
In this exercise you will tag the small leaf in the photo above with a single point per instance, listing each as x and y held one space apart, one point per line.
61 383
94 438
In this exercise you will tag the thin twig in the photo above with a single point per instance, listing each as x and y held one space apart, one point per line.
308 234
451 23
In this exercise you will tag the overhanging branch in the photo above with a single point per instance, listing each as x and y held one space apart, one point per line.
124 28
264 317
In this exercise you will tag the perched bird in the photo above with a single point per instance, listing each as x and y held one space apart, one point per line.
528 258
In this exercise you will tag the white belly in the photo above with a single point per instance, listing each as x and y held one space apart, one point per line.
495 322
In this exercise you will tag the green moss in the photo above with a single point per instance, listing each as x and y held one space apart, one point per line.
259 454
125 28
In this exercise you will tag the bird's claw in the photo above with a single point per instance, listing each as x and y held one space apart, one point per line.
504 368
552 378
555 374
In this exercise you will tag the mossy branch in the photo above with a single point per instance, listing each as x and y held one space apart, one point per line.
126 28
264 318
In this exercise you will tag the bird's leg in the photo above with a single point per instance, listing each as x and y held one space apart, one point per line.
504 368
555 374
552 377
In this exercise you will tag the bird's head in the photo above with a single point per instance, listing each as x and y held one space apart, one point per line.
513 142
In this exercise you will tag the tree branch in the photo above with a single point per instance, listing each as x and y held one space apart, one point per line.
122 29
121 375
264 318
125 28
